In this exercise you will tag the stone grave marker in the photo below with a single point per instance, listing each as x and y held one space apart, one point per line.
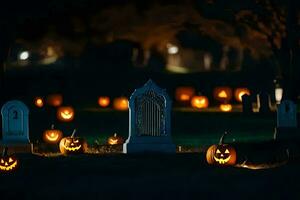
15 127
149 121
287 114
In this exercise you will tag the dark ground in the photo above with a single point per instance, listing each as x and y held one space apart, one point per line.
180 176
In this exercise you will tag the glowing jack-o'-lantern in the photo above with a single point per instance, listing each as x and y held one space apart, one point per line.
65 113
239 92
121 103
52 136
226 107
72 145
39 102
199 102
184 94
103 101
115 139
223 94
221 154
54 100
8 163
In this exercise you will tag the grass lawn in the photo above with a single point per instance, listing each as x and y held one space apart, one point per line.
155 176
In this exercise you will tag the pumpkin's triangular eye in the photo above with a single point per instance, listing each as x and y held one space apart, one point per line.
226 151
76 141
10 160
218 151
2 161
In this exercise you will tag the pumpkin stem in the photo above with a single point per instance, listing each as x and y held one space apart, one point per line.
221 141
4 153
74 131
52 126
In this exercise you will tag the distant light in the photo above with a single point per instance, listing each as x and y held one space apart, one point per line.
39 102
172 49
207 60
278 95
24 55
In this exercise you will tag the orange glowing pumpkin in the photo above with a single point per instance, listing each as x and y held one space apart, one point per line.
65 113
226 107
39 102
104 101
120 103
239 92
199 102
223 94
221 154
8 163
115 139
184 94
54 100
52 135
73 145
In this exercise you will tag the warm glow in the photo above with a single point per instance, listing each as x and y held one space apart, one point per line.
52 135
199 102
65 113
184 94
8 164
54 100
226 107
39 102
239 92
104 101
121 103
222 94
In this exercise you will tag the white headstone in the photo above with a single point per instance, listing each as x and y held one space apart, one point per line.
15 125
287 114
149 121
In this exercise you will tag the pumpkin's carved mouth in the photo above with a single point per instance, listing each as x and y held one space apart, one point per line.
72 148
8 167
222 160
113 141
52 138
66 115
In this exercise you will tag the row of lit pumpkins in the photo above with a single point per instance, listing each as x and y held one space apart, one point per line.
67 145
217 154
182 94
56 100
55 136
221 94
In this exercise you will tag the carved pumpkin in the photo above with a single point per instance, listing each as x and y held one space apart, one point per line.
199 102
54 100
121 103
39 102
103 101
52 135
223 94
72 145
8 163
239 92
221 154
226 107
184 94
115 139
65 113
